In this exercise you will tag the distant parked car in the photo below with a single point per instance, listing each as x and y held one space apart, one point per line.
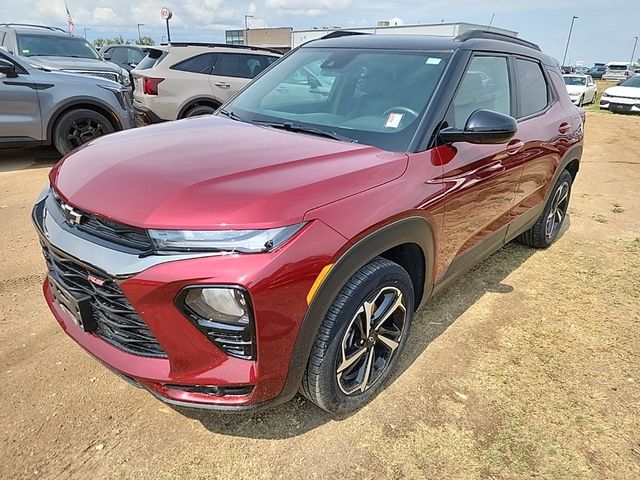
581 89
567 69
618 71
125 56
581 70
596 71
54 49
38 107
190 79
624 97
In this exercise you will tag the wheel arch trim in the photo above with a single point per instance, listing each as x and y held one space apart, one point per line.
414 229
78 103
190 103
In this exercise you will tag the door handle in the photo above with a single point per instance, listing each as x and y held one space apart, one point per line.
514 146
222 85
564 127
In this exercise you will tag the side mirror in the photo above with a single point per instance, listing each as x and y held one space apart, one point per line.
483 126
133 65
8 68
106 56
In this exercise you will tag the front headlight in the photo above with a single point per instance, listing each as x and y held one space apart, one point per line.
242 241
125 78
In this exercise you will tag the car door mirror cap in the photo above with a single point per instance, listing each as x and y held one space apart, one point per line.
483 127
8 68
106 56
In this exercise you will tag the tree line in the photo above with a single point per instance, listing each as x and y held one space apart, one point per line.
119 40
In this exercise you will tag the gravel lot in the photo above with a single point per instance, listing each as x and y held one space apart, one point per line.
527 366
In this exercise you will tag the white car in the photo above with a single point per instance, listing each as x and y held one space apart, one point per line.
185 79
618 71
581 89
624 97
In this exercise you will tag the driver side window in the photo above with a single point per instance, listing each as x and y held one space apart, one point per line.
485 85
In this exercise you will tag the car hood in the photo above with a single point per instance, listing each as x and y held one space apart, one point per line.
576 89
631 92
71 63
212 173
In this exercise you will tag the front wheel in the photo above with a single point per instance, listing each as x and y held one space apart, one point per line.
77 127
546 229
361 338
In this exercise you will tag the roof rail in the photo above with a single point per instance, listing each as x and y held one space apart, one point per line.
53 29
221 45
491 35
342 33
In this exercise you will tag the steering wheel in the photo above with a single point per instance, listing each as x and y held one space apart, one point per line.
399 109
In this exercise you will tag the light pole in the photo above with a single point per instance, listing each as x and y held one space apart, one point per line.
633 54
140 36
87 28
568 40
246 24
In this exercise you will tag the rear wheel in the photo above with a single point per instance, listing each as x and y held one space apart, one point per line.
546 229
199 110
361 338
77 127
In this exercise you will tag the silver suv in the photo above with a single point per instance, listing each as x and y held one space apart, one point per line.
54 49
38 107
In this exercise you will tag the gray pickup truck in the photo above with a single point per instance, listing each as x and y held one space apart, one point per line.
41 107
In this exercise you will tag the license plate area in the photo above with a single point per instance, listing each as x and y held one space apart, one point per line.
78 306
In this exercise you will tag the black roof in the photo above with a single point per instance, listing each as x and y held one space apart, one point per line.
470 40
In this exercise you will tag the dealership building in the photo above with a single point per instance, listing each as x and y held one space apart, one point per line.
286 38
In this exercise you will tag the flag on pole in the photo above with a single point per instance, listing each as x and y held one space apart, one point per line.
70 24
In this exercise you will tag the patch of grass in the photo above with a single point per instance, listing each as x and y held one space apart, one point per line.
600 219
617 209
635 245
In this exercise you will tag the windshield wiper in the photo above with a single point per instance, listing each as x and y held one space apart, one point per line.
230 115
291 127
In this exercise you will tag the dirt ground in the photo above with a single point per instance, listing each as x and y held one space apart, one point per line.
528 366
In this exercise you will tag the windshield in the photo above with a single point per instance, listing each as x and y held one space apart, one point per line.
631 82
55 46
575 81
373 97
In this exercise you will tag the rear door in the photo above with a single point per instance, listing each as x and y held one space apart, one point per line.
234 70
481 179
542 126
19 107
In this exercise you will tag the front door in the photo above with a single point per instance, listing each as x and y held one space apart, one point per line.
481 180
19 108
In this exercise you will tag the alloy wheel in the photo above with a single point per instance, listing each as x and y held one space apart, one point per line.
84 129
371 341
558 210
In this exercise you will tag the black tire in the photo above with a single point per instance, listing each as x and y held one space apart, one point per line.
540 235
77 127
376 283
581 101
199 110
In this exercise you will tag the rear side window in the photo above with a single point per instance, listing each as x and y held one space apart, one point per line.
242 65
153 58
533 93
199 64
485 85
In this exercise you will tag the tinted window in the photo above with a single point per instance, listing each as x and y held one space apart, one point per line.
484 85
199 64
533 95
242 65
153 58
631 82
55 46
118 55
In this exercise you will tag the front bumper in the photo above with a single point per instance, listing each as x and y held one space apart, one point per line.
620 105
151 285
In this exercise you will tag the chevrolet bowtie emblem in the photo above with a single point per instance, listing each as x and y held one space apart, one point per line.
71 215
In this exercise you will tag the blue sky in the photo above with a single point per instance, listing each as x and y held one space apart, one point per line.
604 31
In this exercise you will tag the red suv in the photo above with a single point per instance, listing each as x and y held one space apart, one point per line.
284 244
